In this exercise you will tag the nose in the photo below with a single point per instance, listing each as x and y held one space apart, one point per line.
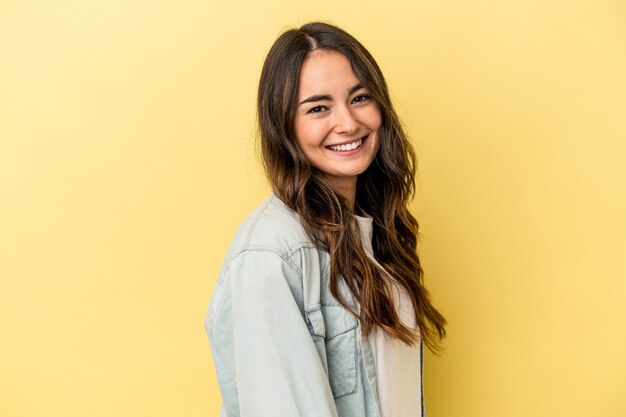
345 122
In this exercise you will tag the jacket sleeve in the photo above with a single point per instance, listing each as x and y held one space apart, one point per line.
265 358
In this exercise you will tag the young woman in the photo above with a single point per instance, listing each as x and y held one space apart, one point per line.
320 309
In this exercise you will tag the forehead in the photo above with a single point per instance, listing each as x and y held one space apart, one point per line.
325 72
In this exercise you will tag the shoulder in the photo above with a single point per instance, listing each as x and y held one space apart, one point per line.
271 250
271 227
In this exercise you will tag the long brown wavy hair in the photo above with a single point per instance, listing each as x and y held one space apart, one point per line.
383 191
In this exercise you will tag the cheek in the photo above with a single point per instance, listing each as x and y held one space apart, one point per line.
371 117
309 133
305 143
302 138
376 118
300 131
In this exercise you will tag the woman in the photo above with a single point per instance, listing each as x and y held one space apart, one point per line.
320 308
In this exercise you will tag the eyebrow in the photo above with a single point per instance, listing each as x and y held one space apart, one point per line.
315 98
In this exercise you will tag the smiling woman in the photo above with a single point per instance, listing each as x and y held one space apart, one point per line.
320 308
336 124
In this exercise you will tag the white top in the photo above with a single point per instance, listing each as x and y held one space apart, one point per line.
398 366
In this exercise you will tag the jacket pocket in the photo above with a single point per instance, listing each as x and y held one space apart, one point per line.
337 327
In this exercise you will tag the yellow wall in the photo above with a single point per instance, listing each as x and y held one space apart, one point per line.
126 164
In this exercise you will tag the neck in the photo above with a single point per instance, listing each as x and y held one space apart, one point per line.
346 186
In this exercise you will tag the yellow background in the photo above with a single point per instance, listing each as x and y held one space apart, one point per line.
127 162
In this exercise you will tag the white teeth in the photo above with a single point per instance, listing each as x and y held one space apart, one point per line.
347 146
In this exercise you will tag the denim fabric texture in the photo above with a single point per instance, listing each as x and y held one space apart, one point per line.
281 343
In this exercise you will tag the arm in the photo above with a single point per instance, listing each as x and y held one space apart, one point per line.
266 360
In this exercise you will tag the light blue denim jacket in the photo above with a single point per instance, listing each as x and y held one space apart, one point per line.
281 343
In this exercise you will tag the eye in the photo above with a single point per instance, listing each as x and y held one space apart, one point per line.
361 98
317 109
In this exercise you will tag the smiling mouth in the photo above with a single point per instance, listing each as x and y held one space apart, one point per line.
348 146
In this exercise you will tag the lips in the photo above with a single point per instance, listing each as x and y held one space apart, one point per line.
349 146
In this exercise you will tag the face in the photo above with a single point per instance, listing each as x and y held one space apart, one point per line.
336 122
